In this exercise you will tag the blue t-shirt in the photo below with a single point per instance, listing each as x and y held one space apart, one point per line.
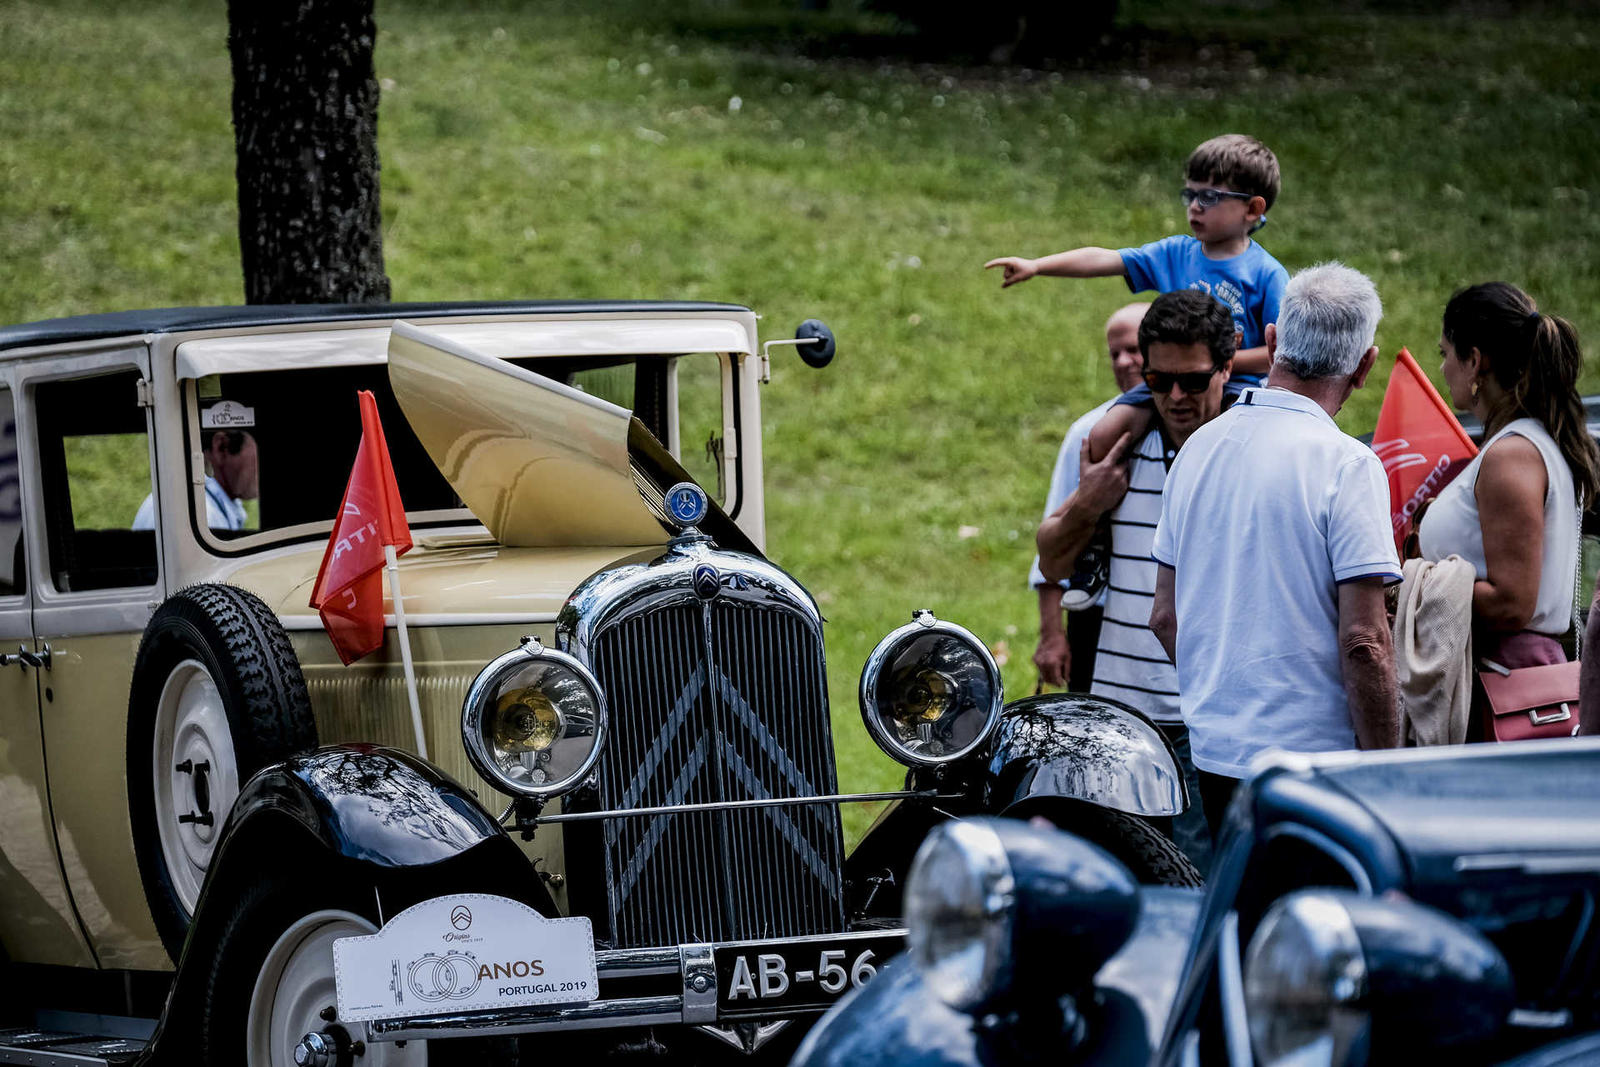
1251 283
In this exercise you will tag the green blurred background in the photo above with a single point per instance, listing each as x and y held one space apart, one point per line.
758 154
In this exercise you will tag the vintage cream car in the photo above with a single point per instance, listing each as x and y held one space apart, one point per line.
624 726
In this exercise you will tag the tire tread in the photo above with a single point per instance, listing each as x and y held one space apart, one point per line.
1153 857
252 662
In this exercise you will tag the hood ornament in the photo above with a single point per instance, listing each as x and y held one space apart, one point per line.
687 504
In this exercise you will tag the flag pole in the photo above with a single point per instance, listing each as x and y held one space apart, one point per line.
392 565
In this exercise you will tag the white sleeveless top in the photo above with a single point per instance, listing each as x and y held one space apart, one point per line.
1451 526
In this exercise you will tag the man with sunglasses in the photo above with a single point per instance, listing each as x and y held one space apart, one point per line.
1187 341
1065 655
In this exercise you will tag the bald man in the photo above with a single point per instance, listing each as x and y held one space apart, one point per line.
1055 659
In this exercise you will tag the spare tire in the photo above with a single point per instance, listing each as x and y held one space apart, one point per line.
217 694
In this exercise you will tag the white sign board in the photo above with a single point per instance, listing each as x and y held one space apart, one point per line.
227 415
468 952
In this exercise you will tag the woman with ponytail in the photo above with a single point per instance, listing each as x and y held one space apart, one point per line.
1513 512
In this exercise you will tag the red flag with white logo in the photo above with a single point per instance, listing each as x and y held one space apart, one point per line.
349 588
1420 441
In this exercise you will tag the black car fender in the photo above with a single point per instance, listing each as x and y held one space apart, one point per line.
1079 747
354 812
1064 746
364 802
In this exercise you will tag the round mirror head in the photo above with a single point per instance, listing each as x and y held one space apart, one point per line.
819 353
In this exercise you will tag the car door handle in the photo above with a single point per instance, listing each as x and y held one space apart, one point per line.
27 656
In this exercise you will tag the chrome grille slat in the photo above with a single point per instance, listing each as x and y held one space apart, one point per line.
717 703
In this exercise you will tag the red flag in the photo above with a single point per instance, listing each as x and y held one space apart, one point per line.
349 588
1421 443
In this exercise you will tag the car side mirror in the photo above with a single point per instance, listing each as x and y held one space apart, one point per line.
816 343
812 338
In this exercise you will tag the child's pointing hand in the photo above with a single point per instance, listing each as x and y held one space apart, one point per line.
1016 269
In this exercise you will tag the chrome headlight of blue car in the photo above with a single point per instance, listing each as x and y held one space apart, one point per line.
930 692
960 906
998 909
1331 976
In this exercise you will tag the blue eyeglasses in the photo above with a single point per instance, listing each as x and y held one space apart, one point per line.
1209 197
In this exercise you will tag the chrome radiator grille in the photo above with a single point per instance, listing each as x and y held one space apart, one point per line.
714 702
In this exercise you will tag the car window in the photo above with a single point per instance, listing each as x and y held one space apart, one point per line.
94 461
614 383
297 431
275 448
647 387
13 580
701 446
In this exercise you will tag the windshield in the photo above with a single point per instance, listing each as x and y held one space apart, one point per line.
276 445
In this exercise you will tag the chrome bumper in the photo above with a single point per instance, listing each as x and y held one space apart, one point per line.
694 1002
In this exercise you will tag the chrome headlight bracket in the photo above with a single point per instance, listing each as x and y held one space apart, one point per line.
930 693
570 707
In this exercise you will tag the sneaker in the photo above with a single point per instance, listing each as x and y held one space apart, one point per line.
1092 573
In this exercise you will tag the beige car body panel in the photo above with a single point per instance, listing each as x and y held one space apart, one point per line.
467 599
93 637
41 925
517 446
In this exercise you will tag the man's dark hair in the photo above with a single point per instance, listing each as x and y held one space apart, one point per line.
1189 317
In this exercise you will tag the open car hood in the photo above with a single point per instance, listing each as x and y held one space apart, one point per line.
538 462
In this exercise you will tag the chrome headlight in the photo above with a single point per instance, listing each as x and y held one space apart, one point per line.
1332 977
999 910
533 721
1305 983
960 901
930 692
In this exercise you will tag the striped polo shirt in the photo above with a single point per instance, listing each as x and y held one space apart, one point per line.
1130 665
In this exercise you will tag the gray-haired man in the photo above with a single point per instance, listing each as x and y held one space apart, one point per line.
1269 597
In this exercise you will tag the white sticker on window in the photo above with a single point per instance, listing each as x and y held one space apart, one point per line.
227 415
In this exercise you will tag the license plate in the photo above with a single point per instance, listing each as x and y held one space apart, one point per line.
466 952
762 978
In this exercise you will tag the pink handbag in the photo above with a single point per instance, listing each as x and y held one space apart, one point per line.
1530 701
1538 701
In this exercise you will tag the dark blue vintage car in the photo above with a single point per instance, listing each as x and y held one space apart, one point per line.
1365 908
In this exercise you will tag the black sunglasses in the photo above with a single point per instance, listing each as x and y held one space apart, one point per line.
1191 382
1209 197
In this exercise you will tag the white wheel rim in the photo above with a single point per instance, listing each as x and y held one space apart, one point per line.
296 985
191 730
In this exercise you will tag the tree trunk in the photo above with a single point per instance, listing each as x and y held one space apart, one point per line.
305 122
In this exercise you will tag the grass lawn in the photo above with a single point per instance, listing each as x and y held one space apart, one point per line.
697 150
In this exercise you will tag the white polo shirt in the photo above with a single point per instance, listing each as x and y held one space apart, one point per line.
1267 509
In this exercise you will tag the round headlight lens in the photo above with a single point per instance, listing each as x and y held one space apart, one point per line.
533 722
960 903
526 720
1305 978
930 692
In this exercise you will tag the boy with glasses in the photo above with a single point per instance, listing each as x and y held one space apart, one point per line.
1230 183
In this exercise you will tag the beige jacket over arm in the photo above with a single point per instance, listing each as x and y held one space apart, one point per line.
1433 650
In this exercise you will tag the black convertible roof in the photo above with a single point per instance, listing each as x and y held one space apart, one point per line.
170 320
